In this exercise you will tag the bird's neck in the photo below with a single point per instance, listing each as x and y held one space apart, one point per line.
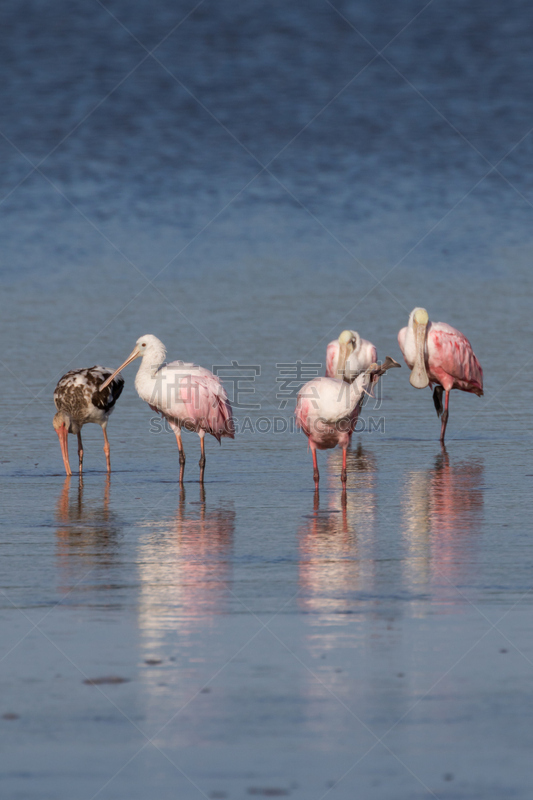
146 378
358 387
351 394
153 360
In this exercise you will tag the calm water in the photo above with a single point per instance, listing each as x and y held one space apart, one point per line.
266 182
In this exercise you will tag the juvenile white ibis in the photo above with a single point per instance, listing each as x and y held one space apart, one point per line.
80 398
361 354
327 409
188 396
438 354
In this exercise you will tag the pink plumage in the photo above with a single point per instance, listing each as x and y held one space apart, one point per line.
332 355
188 396
439 354
451 360
203 404
327 410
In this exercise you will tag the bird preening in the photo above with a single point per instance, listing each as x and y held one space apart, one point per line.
327 409
191 397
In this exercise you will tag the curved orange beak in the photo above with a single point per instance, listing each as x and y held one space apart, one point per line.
63 441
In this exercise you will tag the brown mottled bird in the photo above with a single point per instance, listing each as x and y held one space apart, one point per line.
79 399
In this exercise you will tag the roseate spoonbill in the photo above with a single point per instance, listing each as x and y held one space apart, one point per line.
327 410
187 396
80 398
362 354
438 354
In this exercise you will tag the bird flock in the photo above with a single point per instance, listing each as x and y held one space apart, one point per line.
327 408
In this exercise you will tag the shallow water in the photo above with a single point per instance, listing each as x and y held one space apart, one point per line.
271 643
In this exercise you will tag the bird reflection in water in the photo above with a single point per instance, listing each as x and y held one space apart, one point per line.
442 513
362 471
87 531
185 565
334 542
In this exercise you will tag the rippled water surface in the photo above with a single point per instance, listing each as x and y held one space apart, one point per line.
245 180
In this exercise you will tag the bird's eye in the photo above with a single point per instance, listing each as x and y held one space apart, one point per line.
144 344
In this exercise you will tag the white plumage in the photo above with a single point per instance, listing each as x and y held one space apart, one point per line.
187 395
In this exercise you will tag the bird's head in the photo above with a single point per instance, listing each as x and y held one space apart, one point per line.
420 316
63 424
345 337
61 420
349 341
147 346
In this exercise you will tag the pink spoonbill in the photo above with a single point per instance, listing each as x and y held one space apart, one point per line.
188 396
362 354
80 398
438 354
327 409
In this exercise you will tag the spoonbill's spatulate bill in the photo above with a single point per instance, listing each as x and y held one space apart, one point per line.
363 353
438 354
80 398
327 408
188 396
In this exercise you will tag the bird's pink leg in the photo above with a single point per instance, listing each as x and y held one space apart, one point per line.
107 450
80 452
182 455
106 495
316 474
343 473
444 416
202 458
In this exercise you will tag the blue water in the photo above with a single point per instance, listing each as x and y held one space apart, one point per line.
245 180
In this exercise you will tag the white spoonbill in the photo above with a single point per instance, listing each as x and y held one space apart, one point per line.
438 354
363 353
188 396
327 410
79 398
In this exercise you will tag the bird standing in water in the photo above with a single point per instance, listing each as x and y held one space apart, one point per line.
438 354
327 409
188 396
79 398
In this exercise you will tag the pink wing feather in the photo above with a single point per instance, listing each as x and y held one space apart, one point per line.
301 412
204 405
452 361
332 354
